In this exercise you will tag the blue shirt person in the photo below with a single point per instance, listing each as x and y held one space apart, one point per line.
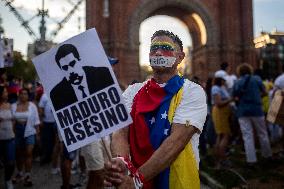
249 89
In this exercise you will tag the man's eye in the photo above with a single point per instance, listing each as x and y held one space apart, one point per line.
65 67
72 63
154 48
163 47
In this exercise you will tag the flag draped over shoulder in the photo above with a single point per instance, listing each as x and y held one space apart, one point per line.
152 113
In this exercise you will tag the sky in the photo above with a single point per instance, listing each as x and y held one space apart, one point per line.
268 16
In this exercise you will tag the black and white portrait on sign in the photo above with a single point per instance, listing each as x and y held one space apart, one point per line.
82 88
79 81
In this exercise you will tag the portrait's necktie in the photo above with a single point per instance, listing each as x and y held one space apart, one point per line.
81 88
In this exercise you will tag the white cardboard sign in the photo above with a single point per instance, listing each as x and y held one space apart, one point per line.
85 95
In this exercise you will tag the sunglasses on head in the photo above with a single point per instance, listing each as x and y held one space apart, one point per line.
71 64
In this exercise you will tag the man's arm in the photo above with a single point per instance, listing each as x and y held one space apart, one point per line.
168 151
120 144
115 168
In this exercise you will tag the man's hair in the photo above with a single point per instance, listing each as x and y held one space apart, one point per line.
224 65
218 81
169 34
244 69
65 50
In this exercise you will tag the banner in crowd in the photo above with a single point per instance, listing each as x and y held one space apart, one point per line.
6 52
84 93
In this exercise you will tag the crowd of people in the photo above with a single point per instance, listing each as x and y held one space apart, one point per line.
237 108
160 148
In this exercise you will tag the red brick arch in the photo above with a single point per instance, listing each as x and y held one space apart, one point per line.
228 25
171 8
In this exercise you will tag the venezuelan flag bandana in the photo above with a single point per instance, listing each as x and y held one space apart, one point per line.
152 113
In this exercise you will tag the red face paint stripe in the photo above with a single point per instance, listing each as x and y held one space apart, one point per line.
163 53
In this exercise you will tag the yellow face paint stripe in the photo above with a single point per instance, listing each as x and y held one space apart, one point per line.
164 43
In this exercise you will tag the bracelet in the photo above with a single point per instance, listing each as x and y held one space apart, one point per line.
138 177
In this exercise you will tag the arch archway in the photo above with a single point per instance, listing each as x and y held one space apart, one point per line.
228 28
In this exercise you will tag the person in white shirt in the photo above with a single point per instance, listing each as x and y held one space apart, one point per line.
27 121
279 81
279 85
49 135
7 138
148 163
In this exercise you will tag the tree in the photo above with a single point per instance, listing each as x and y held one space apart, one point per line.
22 68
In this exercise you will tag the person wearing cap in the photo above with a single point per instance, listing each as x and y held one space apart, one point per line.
221 111
230 78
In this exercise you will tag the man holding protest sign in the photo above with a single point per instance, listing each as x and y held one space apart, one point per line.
85 95
160 148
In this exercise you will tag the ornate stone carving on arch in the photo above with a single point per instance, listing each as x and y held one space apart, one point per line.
147 7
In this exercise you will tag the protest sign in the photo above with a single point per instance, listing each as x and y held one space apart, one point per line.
85 95
276 110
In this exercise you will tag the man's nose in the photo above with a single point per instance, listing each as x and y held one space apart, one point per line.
158 52
71 69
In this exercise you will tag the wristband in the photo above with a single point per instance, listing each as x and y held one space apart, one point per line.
138 178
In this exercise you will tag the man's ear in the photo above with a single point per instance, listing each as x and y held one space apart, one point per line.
181 56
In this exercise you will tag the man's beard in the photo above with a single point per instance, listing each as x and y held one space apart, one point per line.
162 70
75 79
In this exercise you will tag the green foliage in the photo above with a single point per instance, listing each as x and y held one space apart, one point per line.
22 68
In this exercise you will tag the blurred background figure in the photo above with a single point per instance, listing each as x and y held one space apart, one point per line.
221 113
49 135
26 128
248 90
14 87
7 138
279 85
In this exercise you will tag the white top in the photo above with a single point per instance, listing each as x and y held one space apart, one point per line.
192 108
32 121
45 104
279 82
6 125
21 116
230 80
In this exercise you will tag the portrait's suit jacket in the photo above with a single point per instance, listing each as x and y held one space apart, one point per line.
63 93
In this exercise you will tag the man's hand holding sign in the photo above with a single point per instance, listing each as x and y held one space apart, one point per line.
82 87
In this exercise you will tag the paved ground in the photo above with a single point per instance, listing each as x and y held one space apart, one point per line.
43 179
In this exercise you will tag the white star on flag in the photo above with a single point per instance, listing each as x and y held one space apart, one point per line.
152 120
164 115
166 131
